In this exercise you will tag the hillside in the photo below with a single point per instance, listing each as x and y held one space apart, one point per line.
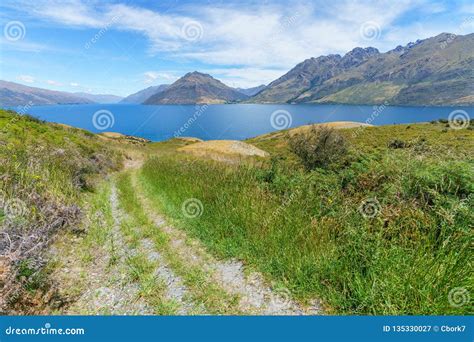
251 91
14 94
196 87
360 234
47 170
190 227
100 98
434 71
310 73
142 95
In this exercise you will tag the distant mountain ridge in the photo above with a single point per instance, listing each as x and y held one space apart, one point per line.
251 91
143 95
15 94
100 98
433 71
310 73
195 88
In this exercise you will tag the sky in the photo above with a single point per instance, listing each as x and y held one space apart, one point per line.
120 47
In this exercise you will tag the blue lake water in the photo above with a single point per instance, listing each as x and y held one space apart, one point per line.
232 121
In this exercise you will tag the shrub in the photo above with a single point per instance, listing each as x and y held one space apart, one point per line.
397 143
319 147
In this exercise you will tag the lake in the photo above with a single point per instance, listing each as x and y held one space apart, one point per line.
232 121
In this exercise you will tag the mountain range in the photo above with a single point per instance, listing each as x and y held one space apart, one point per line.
433 71
15 94
251 91
196 87
100 98
142 95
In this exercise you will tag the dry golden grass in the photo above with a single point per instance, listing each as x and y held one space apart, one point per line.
223 150
189 139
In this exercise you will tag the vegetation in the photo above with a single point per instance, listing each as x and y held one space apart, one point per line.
400 76
373 220
388 233
319 147
201 287
44 170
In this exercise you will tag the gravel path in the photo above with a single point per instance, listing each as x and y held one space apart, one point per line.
175 290
110 290
256 297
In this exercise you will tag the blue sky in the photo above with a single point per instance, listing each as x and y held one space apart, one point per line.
120 47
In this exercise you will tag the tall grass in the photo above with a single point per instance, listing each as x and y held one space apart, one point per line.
388 234
44 169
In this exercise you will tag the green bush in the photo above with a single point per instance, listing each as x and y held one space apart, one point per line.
397 143
319 147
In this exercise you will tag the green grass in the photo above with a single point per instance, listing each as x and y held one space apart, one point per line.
202 289
48 163
306 231
46 172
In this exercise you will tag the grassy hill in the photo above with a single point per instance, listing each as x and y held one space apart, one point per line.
46 170
385 230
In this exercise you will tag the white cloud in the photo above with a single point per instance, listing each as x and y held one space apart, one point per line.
245 77
26 78
54 83
69 12
262 35
74 84
20 45
253 39
159 77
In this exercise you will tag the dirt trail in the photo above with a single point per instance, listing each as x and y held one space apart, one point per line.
256 297
175 291
110 290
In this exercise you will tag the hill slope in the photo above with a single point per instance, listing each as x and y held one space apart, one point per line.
14 94
310 73
251 91
142 95
434 71
360 236
196 87
100 98
46 169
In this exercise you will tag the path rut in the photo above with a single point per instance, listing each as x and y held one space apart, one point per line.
255 295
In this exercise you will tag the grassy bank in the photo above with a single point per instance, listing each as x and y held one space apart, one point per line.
45 170
388 232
